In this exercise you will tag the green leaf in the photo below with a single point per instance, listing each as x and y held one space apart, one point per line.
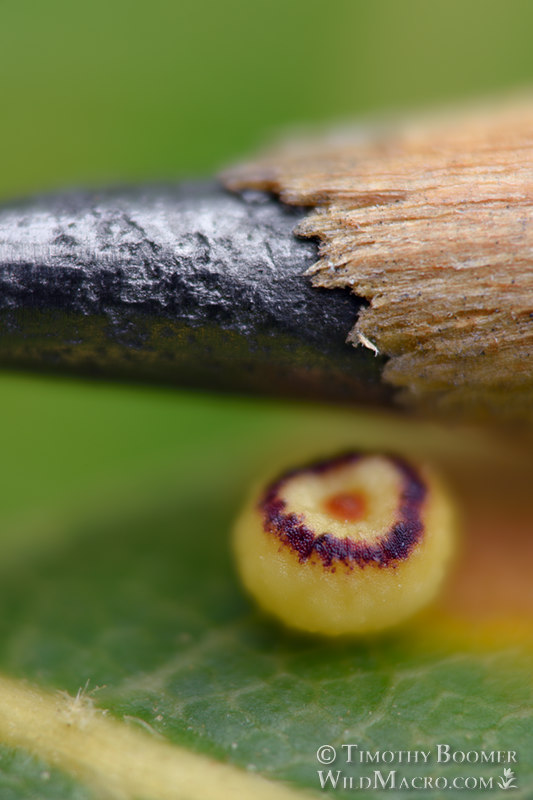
134 599
23 775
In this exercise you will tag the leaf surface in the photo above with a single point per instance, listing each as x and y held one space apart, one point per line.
131 598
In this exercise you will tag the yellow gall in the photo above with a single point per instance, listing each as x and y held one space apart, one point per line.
350 545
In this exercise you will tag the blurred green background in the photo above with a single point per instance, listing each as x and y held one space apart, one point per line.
125 90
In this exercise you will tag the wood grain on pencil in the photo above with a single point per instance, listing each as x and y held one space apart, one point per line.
432 223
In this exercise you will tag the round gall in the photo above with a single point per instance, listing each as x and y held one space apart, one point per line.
353 544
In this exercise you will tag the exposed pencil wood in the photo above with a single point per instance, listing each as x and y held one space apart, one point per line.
433 224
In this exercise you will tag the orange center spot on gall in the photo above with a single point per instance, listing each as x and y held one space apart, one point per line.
346 506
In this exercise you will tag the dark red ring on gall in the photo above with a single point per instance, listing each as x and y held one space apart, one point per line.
393 546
